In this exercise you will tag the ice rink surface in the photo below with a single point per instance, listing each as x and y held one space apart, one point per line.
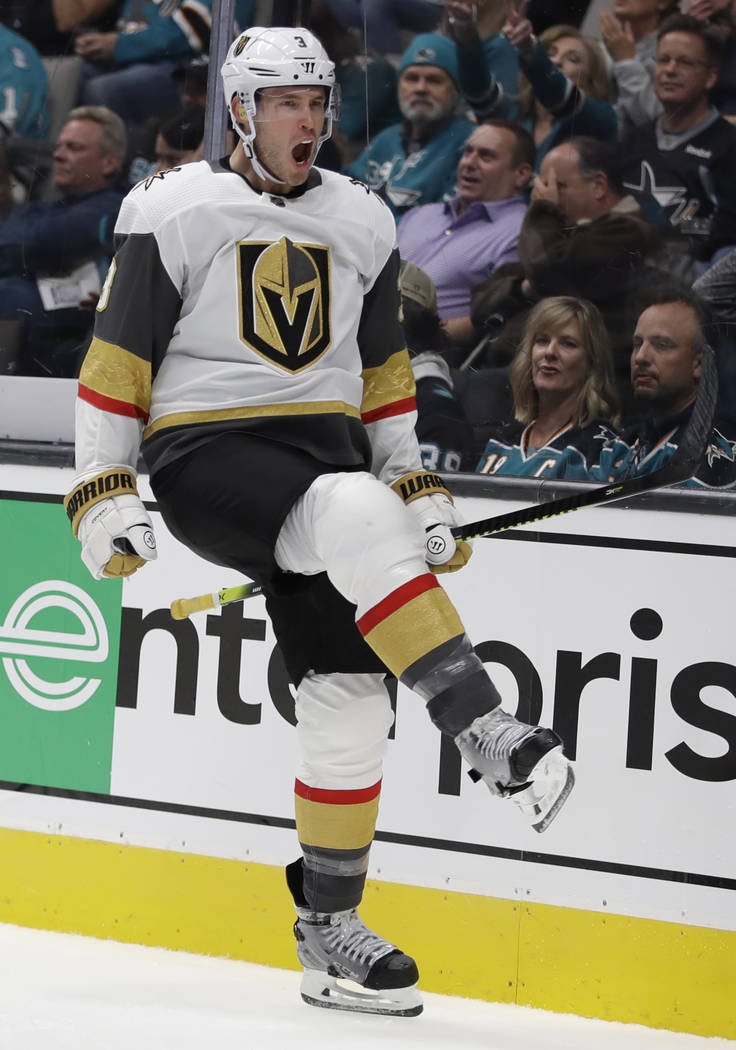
65 992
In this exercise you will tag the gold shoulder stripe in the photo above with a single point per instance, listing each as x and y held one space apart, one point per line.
389 382
116 373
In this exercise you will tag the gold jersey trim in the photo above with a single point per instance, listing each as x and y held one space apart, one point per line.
220 415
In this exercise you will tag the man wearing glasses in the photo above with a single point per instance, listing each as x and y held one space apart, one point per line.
684 161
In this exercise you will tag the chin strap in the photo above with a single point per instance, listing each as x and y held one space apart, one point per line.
258 168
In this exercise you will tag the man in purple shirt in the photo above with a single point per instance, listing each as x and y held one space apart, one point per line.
461 241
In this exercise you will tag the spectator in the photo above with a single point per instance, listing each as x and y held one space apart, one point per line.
629 33
488 63
565 400
174 141
581 236
24 114
415 162
584 235
49 24
23 86
716 288
380 23
53 254
444 435
129 70
179 138
460 242
720 15
191 79
665 372
565 87
686 158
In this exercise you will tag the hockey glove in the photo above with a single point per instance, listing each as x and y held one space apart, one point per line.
428 498
111 523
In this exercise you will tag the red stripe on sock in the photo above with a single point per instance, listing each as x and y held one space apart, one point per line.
395 600
337 798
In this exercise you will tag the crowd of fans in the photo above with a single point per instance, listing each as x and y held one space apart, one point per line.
565 203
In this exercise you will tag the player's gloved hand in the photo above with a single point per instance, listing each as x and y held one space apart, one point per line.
111 523
428 498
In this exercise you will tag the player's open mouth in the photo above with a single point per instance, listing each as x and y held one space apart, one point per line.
302 153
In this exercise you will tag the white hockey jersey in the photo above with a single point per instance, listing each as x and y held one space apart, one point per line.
228 308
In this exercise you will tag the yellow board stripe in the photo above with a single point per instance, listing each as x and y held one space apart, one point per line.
220 415
414 629
665 975
389 382
336 827
110 370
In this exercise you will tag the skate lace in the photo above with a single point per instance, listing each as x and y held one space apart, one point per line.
352 938
498 742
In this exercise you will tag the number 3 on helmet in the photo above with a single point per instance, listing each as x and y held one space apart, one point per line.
276 57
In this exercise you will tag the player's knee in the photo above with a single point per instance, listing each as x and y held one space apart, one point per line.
343 721
369 537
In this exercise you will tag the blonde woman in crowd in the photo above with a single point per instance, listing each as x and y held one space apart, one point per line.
565 400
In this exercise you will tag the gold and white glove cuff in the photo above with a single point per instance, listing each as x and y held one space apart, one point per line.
420 483
114 481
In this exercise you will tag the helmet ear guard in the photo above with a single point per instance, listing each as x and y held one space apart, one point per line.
275 57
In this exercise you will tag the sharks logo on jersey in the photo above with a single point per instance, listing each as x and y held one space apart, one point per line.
673 199
285 301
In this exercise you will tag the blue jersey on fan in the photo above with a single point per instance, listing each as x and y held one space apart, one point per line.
424 175
23 85
645 447
590 453
145 35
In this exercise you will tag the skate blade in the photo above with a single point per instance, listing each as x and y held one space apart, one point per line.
320 989
552 780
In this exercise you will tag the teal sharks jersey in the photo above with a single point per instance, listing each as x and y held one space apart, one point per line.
422 176
591 453
23 84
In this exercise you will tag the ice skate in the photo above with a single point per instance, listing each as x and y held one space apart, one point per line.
337 947
518 761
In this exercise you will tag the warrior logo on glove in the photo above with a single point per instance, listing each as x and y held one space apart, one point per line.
436 545
111 523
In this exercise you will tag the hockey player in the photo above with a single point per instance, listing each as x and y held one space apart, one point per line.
248 333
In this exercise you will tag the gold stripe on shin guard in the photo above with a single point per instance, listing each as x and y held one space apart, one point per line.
408 625
337 827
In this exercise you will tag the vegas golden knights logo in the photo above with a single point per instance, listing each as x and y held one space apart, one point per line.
285 301
241 45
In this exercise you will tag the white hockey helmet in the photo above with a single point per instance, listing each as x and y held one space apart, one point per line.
264 57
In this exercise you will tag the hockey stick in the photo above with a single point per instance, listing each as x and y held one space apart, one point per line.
683 463
681 466
182 608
